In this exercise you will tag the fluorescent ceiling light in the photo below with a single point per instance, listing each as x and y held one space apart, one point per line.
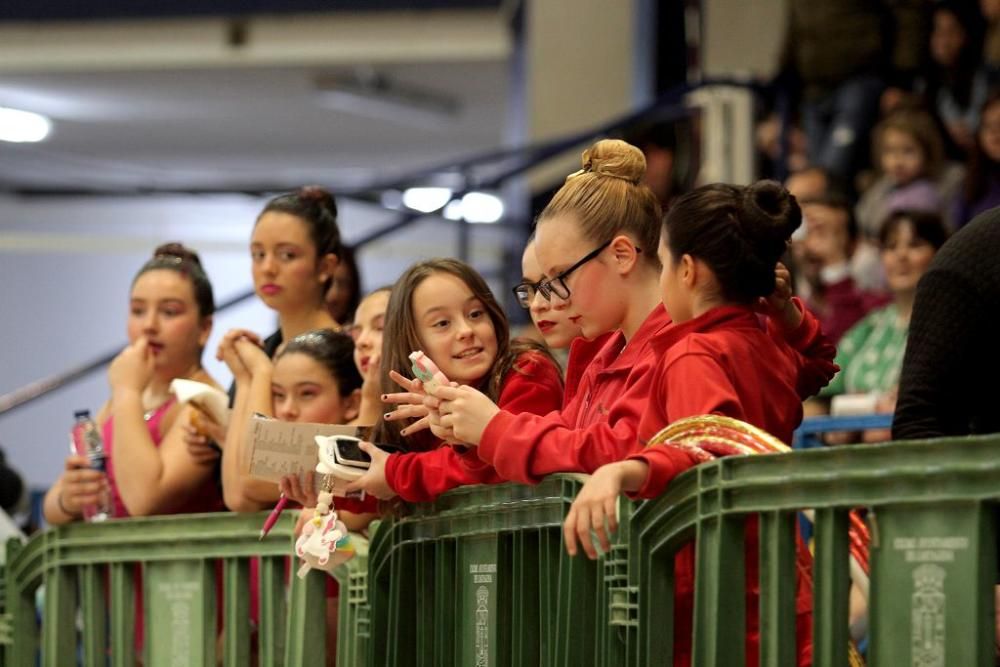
453 211
426 200
475 207
23 126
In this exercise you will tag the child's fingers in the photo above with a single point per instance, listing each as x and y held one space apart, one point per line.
403 381
405 412
597 516
582 528
448 393
611 512
403 398
569 531
419 425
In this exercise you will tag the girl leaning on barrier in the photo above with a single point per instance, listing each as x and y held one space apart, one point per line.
149 468
719 248
446 309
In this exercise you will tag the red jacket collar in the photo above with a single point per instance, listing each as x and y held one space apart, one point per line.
721 317
612 358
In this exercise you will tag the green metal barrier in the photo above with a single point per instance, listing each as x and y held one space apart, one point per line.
353 622
933 553
481 577
89 572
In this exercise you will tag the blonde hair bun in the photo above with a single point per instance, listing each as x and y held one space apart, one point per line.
615 158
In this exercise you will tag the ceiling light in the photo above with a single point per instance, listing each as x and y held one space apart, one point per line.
479 207
23 126
426 200
453 211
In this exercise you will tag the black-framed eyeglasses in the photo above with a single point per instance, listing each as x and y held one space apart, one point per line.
557 285
525 292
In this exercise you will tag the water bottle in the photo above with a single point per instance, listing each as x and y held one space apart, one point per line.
87 442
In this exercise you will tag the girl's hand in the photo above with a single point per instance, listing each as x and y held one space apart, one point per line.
201 448
597 505
235 334
81 486
371 378
302 492
253 356
305 515
410 402
779 304
441 432
373 481
464 410
203 436
133 367
227 353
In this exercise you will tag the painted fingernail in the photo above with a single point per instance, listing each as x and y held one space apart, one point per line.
386 415
385 397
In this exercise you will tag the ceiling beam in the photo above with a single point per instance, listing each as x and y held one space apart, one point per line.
272 41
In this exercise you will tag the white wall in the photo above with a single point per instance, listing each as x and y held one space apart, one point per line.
66 265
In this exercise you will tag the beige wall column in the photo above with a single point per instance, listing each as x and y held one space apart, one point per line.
579 68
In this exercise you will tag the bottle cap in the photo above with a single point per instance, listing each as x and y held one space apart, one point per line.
82 414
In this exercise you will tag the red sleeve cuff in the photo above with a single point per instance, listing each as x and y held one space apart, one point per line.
804 332
665 463
392 471
492 436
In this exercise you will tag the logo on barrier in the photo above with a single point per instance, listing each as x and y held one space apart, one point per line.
482 626
928 616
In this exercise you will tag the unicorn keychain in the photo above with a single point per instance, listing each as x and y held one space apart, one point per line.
325 542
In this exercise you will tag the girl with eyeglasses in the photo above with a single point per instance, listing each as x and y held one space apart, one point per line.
552 322
445 308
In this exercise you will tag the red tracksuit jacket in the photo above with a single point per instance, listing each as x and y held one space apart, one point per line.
726 363
534 386
599 425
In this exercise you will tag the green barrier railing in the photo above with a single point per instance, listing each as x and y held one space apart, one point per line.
90 573
480 577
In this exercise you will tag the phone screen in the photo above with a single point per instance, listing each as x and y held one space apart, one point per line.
349 450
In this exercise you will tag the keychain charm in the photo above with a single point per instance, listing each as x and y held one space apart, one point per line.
325 542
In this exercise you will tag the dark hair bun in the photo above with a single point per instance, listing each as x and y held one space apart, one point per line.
769 215
178 251
320 197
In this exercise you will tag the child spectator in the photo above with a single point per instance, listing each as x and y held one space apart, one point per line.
367 330
294 250
149 469
445 308
909 152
